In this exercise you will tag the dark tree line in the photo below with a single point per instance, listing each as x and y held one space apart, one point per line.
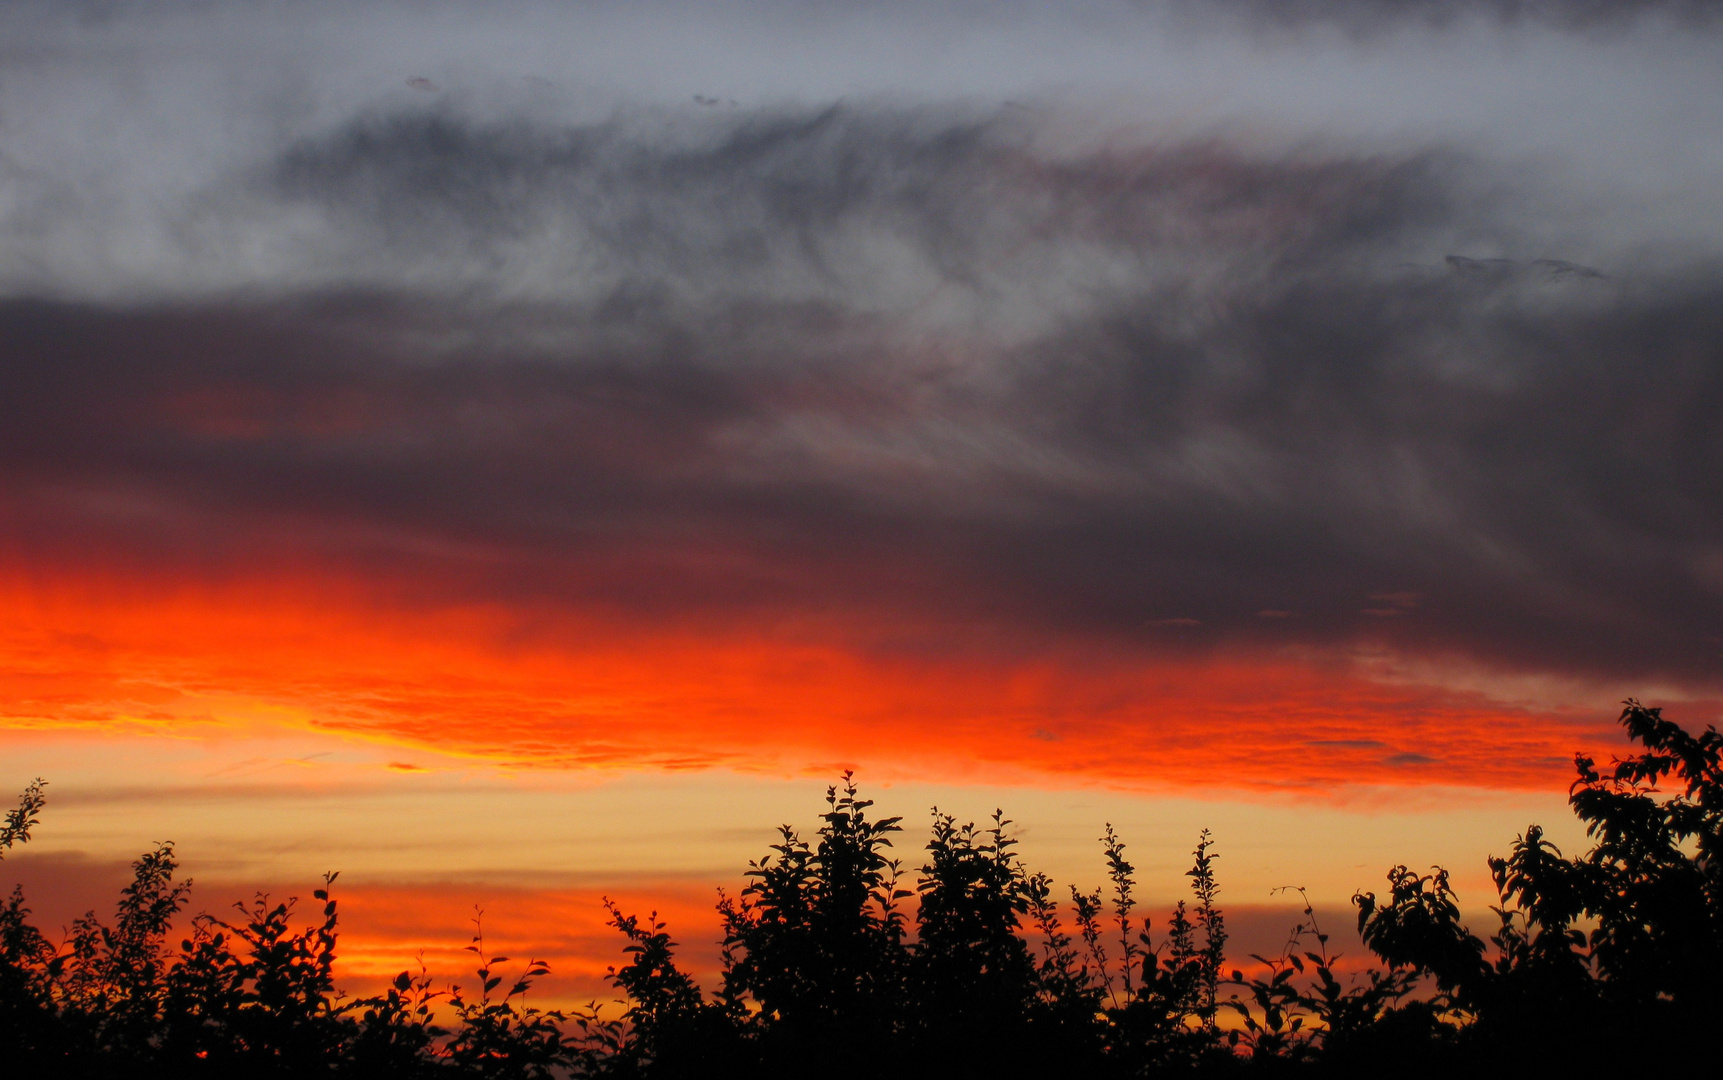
836 960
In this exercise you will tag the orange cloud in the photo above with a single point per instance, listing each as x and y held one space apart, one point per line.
576 689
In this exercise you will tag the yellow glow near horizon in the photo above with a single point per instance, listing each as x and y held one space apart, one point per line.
272 808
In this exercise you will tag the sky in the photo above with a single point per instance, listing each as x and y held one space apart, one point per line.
514 453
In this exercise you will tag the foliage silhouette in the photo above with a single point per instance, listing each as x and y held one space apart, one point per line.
834 960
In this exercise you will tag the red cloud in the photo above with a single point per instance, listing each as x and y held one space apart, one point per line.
576 689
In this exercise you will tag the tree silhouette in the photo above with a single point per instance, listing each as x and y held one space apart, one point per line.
815 939
832 958
1651 884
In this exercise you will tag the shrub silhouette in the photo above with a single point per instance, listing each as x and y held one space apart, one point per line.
815 939
1652 886
834 959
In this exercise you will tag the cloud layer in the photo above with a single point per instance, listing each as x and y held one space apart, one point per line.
964 381
858 358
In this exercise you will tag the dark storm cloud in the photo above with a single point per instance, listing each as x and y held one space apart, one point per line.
857 359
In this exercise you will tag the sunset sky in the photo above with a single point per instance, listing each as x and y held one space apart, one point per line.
514 453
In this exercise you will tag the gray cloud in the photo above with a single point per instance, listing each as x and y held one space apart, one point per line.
181 151
931 364
1244 384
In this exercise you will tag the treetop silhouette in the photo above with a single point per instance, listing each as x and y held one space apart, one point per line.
835 957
